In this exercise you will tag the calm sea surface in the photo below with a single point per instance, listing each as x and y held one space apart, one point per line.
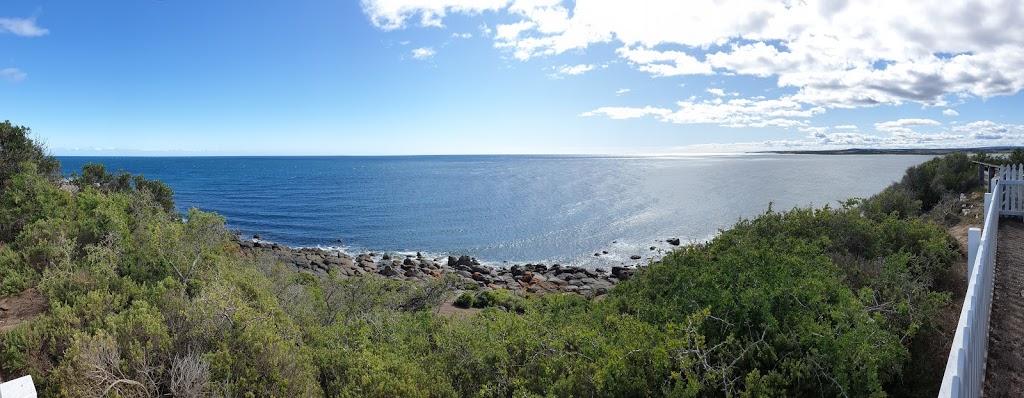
505 208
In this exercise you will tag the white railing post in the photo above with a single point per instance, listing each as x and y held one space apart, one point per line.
973 241
988 200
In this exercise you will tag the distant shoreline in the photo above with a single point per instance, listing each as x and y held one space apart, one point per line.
869 151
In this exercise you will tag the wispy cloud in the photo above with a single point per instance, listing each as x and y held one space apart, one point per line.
904 126
465 35
391 14
783 112
12 75
22 27
622 91
575 69
950 112
721 93
423 53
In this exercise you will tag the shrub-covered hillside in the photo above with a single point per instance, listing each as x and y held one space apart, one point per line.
144 302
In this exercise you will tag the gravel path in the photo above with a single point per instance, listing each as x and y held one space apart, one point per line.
1004 376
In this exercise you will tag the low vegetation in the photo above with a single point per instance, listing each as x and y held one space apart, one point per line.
145 302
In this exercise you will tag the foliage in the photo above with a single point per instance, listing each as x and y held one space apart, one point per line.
808 302
465 300
18 151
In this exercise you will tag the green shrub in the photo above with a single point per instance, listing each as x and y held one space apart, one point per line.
17 151
14 349
15 274
465 300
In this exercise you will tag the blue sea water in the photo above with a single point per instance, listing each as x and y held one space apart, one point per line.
505 208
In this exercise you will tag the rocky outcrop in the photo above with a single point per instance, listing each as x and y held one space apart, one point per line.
528 278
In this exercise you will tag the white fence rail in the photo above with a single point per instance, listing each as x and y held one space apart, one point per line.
965 368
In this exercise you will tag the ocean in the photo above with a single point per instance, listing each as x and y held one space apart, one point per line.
505 209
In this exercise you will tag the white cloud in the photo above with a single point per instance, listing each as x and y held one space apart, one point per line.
720 93
783 112
485 30
22 27
423 53
1012 134
393 14
12 75
847 127
575 69
904 126
626 112
716 91
833 53
465 35
950 112
664 63
622 91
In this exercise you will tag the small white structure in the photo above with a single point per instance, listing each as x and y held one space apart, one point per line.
21 387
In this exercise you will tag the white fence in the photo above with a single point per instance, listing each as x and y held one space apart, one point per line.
965 368
1011 201
21 387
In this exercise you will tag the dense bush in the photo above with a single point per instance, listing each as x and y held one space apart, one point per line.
142 302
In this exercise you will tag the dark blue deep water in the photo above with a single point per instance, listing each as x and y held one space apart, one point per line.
504 208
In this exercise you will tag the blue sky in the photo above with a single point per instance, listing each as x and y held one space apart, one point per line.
382 77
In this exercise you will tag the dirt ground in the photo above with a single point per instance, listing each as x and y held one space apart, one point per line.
449 309
1004 376
17 309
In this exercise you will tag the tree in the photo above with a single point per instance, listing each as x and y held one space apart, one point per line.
17 149
1017 156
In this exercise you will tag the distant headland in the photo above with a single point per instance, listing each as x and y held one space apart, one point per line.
895 151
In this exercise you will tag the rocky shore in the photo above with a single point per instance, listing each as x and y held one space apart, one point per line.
528 278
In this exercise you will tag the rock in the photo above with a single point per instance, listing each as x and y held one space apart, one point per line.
634 257
527 277
413 273
654 248
597 254
673 241
604 252
389 271
385 257
257 236
337 241
409 261
600 270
